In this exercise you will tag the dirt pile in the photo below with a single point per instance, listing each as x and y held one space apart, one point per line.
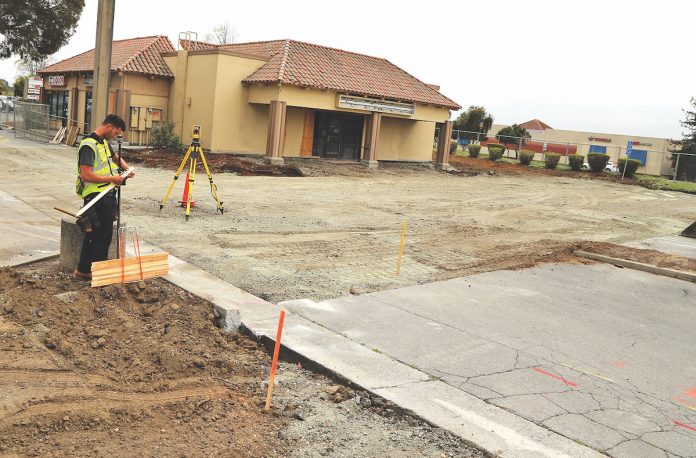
143 370
217 163
652 257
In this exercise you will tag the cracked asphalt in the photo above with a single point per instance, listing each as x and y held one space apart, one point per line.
598 354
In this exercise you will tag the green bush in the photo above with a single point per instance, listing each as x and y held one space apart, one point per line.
474 150
575 161
526 156
597 161
163 136
551 160
453 146
495 151
631 168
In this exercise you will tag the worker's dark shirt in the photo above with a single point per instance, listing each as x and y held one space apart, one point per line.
87 154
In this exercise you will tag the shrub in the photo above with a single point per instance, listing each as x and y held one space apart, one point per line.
163 136
526 156
631 168
597 161
453 146
495 151
474 150
551 160
575 161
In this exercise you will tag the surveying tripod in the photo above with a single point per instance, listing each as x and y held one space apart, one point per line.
193 154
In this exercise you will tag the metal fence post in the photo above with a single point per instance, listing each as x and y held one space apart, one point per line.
676 167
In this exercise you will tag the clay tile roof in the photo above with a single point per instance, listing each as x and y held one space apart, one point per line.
135 55
192 45
535 124
309 65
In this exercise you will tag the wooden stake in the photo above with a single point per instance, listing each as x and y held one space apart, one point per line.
274 364
401 249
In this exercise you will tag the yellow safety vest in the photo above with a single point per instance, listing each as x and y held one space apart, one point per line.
102 166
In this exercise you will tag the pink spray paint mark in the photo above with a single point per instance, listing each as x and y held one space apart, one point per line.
567 382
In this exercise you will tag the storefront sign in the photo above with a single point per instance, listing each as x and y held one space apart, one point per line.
635 143
382 106
599 139
56 80
34 86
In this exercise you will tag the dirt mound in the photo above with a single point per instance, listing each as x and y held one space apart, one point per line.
130 369
143 371
652 257
169 159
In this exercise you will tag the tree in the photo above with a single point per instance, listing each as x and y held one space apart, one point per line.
687 145
513 135
19 86
471 121
28 66
37 28
4 87
223 34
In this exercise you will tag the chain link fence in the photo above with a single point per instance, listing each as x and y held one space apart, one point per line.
33 121
662 162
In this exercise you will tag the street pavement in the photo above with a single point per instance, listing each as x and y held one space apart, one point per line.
596 353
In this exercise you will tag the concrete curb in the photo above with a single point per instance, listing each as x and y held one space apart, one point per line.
672 273
25 260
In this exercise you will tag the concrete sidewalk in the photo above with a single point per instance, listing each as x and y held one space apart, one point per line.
672 244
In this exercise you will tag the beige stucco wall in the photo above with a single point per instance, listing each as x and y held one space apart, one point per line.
657 162
326 100
238 125
294 127
405 140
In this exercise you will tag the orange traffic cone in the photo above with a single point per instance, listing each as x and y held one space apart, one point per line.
184 198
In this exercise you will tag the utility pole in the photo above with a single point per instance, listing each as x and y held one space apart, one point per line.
102 61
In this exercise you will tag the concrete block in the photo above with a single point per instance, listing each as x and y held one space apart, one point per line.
371 165
275 160
442 166
71 239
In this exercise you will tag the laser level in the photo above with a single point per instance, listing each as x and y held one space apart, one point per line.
193 154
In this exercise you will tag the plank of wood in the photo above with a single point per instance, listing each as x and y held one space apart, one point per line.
130 278
130 268
97 266
133 276
679 274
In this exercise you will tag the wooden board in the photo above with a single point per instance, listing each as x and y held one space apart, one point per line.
97 266
72 135
130 269
130 278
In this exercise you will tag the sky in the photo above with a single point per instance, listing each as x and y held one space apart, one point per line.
611 66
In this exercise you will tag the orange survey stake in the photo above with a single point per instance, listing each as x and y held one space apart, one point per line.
274 364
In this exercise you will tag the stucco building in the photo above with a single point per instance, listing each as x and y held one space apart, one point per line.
280 98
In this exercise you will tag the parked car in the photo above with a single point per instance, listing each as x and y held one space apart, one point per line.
610 167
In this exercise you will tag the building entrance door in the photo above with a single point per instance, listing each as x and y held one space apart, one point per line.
337 135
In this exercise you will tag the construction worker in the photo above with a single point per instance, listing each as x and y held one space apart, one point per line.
97 167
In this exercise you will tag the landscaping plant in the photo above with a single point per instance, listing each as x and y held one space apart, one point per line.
526 156
551 160
474 150
631 168
575 161
453 146
495 151
597 161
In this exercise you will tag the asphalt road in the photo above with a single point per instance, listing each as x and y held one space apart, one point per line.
599 354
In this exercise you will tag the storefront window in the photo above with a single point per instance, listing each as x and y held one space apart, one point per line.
88 112
57 102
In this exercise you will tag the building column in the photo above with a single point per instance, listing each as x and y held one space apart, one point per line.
276 132
372 140
443 144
